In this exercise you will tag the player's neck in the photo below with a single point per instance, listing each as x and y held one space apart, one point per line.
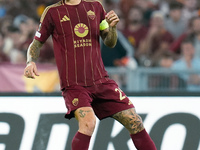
72 2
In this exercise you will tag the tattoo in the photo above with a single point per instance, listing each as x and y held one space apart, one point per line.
110 37
34 51
83 113
130 119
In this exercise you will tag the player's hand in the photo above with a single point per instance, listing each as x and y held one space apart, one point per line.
112 18
31 70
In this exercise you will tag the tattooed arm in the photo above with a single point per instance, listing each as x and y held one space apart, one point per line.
32 55
109 35
34 51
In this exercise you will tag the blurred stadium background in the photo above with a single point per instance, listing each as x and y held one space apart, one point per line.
156 62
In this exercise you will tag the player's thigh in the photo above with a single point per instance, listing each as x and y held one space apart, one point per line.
110 99
130 120
86 118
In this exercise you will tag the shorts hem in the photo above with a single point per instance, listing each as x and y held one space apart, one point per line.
111 114
70 115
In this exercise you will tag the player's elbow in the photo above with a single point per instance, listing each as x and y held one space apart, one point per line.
110 44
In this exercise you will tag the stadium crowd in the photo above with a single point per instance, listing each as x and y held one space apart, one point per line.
152 33
152 30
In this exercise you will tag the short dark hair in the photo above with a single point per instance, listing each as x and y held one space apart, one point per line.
188 39
175 5
13 29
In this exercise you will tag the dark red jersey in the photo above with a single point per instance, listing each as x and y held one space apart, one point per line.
75 32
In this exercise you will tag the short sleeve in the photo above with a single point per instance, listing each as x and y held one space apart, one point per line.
103 12
46 26
103 23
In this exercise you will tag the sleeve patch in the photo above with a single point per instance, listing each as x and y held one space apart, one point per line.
38 34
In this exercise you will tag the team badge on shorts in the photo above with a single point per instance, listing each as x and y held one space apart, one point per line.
91 14
75 101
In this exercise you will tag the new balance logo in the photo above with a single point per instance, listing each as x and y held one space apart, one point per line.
65 18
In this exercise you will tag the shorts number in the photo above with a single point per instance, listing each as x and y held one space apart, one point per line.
120 94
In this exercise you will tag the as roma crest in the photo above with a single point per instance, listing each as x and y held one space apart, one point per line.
91 14
75 101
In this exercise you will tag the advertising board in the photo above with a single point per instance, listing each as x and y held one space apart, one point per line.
38 123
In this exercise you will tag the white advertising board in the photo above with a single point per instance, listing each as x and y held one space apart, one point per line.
37 123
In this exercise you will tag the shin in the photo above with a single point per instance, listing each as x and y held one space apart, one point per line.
133 123
87 120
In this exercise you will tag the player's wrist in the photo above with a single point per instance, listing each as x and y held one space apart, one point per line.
113 28
30 62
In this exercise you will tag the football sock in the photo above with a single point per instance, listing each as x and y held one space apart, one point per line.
142 141
80 141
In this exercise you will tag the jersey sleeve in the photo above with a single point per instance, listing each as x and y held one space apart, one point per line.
103 12
46 26
103 23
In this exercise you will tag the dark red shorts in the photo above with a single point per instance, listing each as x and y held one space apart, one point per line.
106 99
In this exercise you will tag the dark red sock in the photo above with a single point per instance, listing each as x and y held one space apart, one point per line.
80 141
142 141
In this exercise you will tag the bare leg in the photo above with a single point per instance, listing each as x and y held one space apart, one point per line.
133 122
87 120
130 120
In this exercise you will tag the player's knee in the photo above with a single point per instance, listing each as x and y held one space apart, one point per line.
130 119
86 119
135 125
88 126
